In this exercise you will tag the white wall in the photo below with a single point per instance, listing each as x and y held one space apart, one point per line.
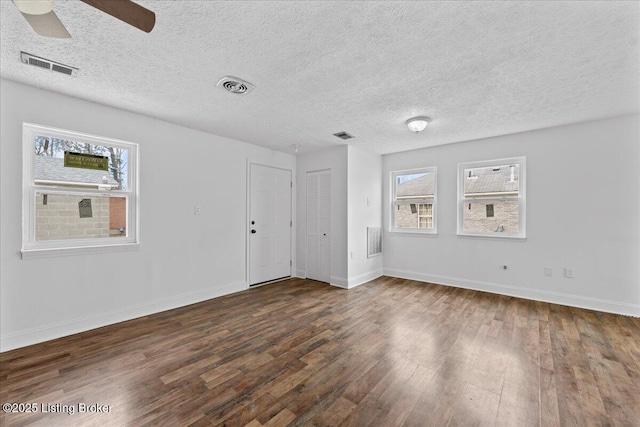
364 210
583 212
182 258
336 160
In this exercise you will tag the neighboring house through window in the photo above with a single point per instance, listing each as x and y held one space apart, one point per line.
491 198
79 192
425 215
414 200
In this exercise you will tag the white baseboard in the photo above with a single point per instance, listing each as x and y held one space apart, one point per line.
340 282
336 281
62 329
532 294
364 278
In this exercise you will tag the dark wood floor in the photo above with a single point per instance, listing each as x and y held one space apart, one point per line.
298 352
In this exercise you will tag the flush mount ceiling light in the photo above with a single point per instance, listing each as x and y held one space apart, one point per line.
417 124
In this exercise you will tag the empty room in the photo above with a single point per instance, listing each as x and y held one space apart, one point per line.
319 213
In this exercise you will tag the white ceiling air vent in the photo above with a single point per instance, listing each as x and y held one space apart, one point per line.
48 64
235 85
343 135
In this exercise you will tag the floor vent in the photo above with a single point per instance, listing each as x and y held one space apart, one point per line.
343 135
47 64
235 85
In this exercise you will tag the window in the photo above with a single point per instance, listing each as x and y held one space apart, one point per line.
490 210
491 198
414 201
79 192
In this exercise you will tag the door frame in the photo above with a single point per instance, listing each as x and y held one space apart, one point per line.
247 263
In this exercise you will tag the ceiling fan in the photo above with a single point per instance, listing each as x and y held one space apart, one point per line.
40 15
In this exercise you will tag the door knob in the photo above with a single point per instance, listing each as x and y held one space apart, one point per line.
253 231
324 234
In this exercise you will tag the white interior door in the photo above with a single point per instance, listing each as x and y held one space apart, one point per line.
269 224
318 251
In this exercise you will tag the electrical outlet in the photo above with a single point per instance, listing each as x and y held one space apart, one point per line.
569 273
505 267
548 271
197 210
352 254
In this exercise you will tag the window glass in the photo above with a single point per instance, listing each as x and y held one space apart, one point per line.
505 217
414 195
50 169
501 180
491 198
78 216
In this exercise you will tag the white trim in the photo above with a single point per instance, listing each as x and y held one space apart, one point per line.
406 200
340 282
501 197
364 278
412 232
607 306
48 184
83 324
492 236
77 250
521 199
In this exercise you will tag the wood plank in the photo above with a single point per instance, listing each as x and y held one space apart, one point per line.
298 352
476 407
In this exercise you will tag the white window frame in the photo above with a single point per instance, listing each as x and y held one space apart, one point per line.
433 201
31 248
521 199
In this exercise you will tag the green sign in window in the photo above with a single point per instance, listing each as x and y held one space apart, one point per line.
85 161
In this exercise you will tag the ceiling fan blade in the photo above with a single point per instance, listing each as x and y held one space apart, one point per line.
126 11
47 25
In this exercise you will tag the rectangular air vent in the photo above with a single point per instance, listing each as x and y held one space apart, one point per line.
60 69
38 63
343 135
47 64
374 241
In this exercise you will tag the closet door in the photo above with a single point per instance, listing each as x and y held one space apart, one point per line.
318 253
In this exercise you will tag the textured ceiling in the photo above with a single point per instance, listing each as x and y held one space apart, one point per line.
478 69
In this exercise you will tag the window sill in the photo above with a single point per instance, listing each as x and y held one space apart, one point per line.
413 233
34 253
494 236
